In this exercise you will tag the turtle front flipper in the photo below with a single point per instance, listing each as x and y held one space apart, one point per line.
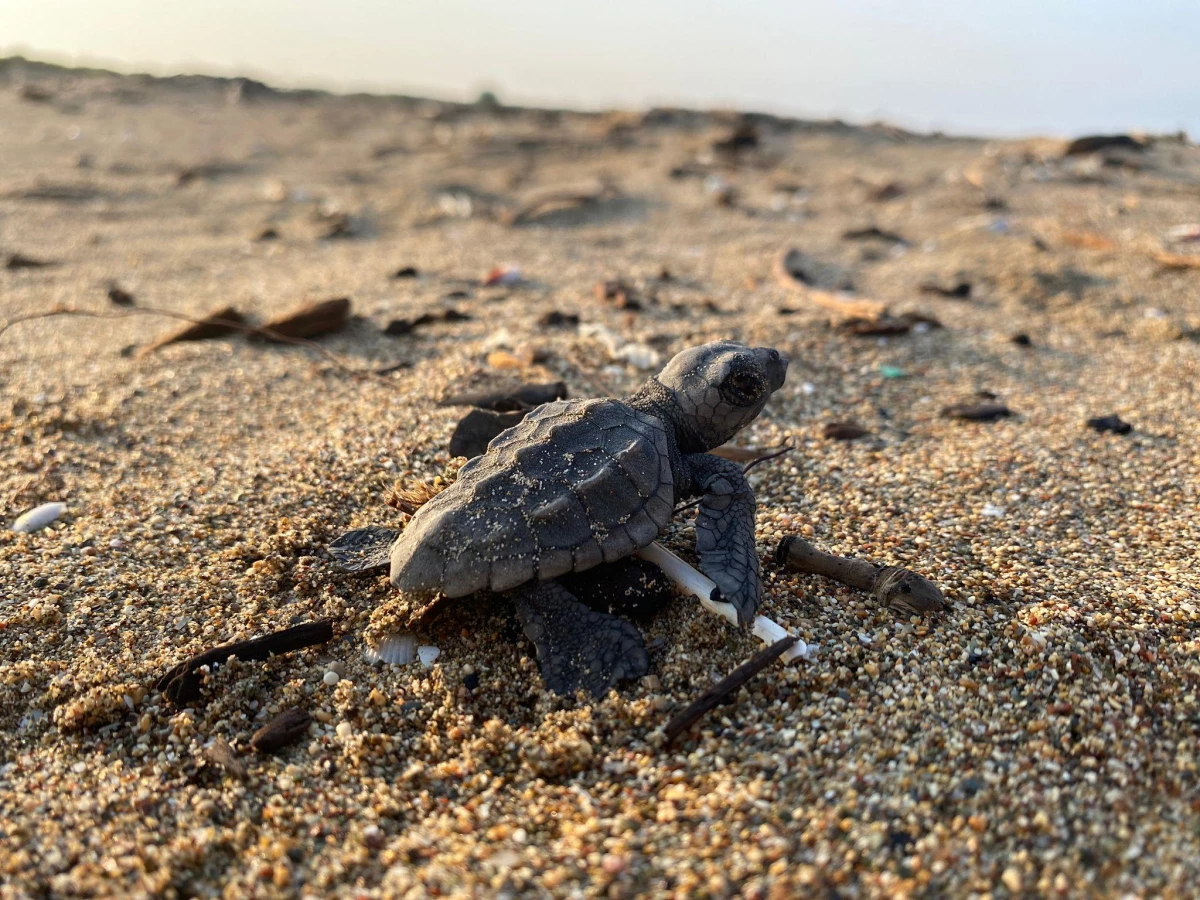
725 532
577 646
364 548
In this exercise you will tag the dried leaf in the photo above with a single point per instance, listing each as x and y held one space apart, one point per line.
310 320
285 729
216 324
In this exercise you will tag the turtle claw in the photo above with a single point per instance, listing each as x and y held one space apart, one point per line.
364 548
744 595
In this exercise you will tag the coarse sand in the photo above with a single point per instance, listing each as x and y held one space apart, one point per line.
1037 738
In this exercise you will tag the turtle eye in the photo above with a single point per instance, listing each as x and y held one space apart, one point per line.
743 383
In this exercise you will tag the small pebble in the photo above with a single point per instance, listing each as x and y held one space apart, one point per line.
331 678
613 863
344 730
1012 879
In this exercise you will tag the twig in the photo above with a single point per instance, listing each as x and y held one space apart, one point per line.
846 306
181 683
787 448
724 688
226 323
892 586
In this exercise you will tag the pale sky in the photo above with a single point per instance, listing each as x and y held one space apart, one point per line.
966 66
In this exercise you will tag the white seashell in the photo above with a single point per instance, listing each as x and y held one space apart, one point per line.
640 356
397 649
428 654
39 517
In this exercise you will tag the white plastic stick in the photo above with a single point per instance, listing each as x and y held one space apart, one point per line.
693 582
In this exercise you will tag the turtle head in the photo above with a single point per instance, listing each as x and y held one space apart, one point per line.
718 389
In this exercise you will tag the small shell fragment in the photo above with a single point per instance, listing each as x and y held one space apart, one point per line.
427 655
39 517
398 649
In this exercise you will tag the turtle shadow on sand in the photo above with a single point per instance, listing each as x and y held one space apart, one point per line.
578 483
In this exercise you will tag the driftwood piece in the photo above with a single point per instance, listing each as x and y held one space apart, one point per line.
285 729
307 321
894 587
726 687
216 324
521 397
181 683
851 307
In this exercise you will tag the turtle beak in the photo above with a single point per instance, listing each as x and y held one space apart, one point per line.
775 365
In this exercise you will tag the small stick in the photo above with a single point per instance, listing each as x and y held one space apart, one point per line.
787 448
704 589
894 587
724 688
181 683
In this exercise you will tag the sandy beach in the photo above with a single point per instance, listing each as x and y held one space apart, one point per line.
1037 738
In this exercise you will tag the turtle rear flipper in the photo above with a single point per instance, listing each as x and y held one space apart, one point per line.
364 548
577 646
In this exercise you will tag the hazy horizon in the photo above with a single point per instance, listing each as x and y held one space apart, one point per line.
968 67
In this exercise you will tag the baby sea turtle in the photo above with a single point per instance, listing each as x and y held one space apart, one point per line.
578 483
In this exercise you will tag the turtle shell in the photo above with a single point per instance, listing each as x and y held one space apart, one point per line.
575 484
